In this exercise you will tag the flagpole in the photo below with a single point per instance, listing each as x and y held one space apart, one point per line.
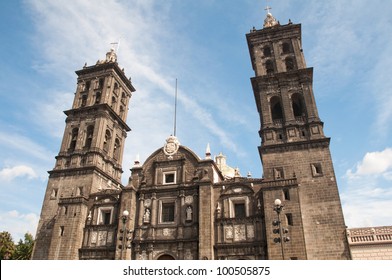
175 111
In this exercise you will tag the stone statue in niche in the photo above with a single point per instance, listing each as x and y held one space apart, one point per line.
146 216
189 214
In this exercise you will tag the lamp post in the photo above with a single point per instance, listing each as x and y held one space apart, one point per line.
124 218
278 208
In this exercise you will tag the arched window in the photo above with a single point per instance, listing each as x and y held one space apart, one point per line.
97 98
267 51
123 97
116 149
289 63
84 100
269 66
106 141
286 47
87 86
101 81
122 111
276 108
89 136
74 139
114 101
166 257
115 88
297 104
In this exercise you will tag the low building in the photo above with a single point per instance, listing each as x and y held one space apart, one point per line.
370 243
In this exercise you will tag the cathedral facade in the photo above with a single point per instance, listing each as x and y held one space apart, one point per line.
180 206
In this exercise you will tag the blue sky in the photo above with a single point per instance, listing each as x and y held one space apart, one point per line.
202 44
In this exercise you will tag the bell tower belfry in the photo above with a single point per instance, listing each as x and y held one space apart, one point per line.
90 157
293 144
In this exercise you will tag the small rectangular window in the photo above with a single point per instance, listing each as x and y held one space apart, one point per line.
169 178
105 217
79 191
278 173
167 212
286 193
53 194
289 219
239 210
316 169
62 231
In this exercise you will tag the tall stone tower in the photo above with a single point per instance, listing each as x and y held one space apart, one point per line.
293 144
89 160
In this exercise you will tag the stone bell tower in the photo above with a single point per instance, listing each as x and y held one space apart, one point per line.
89 160
293 144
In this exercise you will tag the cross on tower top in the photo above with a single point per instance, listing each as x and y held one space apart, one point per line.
269 20
115 46
268 8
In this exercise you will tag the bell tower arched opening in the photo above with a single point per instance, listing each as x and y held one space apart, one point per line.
297 105
276 108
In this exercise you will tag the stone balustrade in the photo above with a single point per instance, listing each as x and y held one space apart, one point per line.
369 235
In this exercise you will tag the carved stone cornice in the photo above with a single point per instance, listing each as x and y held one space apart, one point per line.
295 146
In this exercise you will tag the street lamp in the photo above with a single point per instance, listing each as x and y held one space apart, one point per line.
124 218
278 208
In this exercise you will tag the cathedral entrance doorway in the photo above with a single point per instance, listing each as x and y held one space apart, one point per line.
165 257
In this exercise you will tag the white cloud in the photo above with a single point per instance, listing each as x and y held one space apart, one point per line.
364 213
367 196
8 174
373 164
365 204
18 223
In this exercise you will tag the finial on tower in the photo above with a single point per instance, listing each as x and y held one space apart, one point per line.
111 56
137 161
269 20
208 151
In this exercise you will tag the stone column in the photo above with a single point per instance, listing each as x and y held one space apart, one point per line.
154 214
206 225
